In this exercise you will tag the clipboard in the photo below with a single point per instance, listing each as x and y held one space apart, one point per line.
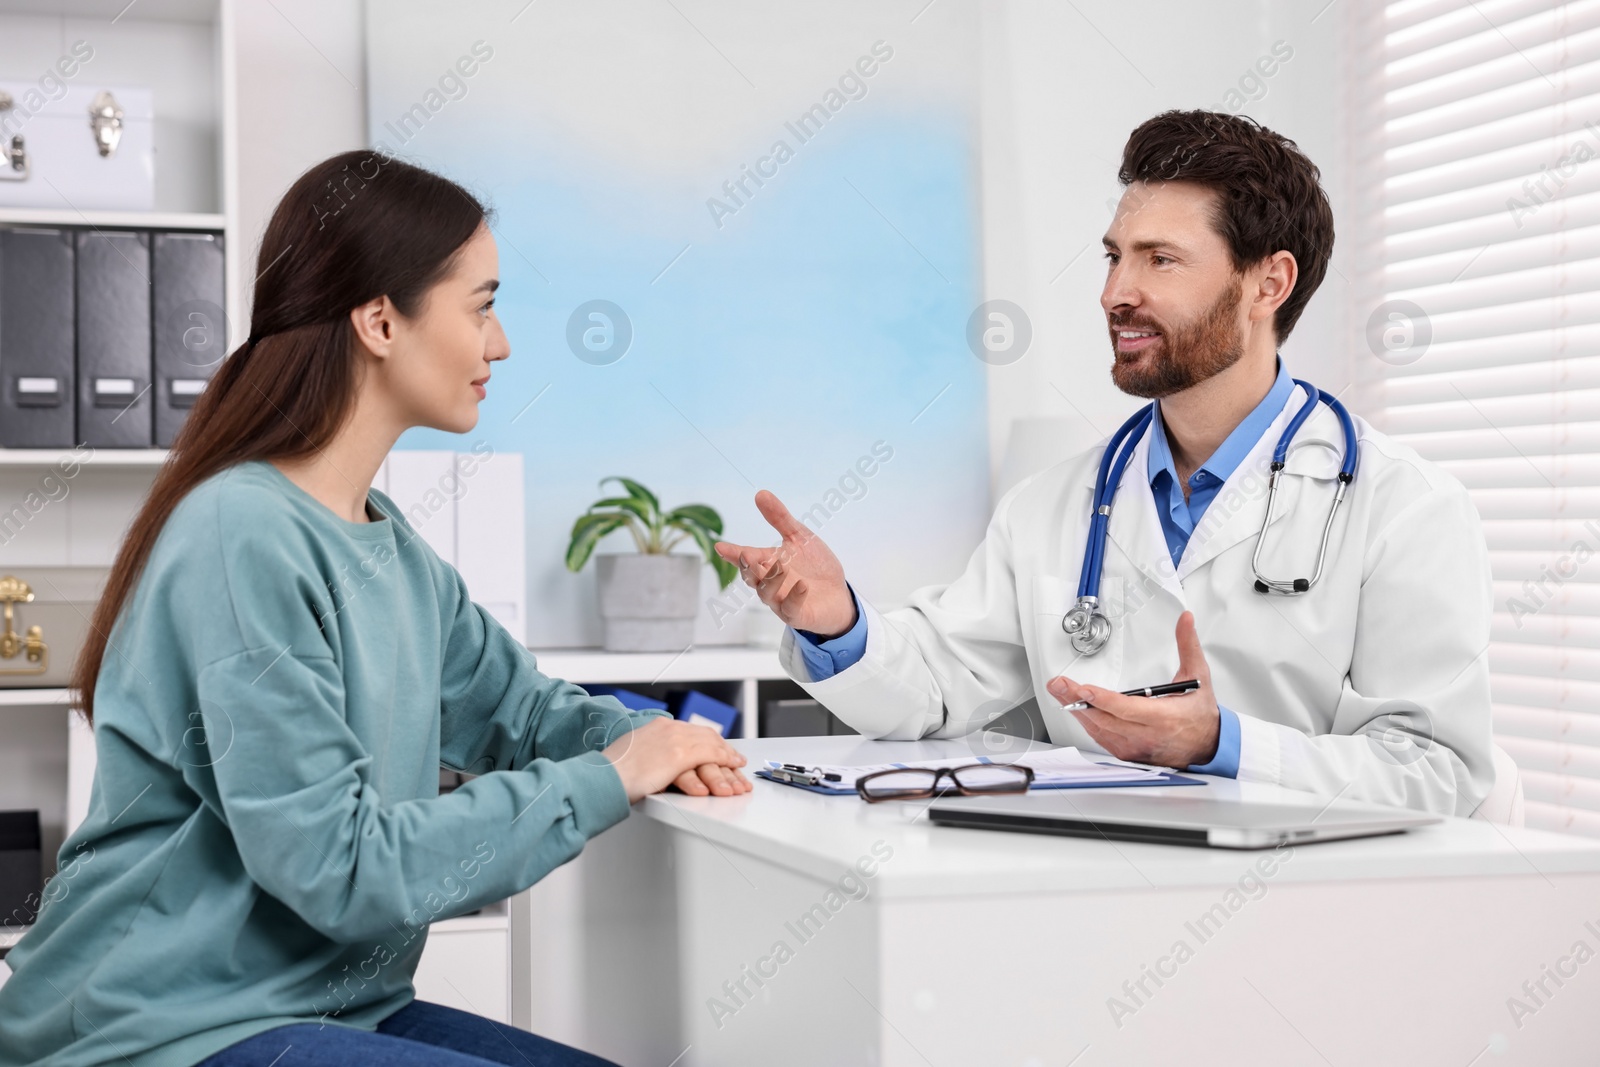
1162 778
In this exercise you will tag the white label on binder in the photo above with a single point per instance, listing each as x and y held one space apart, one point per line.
188 386
113 386
37 385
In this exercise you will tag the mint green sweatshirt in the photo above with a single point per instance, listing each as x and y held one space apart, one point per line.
265 841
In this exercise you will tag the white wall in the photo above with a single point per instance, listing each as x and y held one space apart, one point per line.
302 98
1064 85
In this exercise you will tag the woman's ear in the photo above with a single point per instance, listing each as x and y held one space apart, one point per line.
374 323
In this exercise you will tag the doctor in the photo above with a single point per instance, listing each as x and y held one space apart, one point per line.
1371 684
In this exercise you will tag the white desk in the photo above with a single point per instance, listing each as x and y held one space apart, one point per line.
980 948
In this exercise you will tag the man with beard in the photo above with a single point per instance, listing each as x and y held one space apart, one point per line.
1367 679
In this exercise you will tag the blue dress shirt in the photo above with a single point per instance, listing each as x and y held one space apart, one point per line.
824 659
1179 517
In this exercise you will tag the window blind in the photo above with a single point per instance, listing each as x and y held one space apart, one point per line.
1475 168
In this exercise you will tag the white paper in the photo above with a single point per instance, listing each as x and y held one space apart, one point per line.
1054 766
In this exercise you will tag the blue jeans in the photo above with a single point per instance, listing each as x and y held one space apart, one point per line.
418 1035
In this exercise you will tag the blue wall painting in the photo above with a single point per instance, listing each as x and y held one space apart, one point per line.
738 250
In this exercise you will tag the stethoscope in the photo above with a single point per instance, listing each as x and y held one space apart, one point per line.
1086 624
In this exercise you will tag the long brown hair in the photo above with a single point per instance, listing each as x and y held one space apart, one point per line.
353 228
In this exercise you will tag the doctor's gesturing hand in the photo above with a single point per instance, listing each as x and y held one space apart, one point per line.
800 580
1168 731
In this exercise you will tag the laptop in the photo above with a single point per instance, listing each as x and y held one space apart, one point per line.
1174 820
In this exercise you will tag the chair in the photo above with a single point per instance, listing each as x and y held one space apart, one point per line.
1504 803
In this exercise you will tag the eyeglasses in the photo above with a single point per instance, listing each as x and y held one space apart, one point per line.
972 779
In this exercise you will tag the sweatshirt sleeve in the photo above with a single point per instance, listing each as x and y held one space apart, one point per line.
298 792
497 710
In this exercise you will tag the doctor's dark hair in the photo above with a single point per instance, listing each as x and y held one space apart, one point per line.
353 228
1269 195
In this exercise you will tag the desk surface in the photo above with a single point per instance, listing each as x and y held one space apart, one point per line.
823 836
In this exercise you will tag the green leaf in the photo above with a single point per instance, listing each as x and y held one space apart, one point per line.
586 534
625 503
699 514
637 491
726 572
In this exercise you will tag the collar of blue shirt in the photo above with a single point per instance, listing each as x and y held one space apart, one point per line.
1179 517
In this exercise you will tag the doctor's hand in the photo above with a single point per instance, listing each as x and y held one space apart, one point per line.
1167 731
666 752
800 580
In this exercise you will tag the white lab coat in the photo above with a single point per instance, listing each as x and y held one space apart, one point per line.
1373 686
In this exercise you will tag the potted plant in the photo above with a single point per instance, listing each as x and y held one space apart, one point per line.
648 598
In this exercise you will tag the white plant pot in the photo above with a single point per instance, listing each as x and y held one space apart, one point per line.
649 602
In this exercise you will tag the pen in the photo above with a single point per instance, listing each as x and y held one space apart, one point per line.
1171 689
795 774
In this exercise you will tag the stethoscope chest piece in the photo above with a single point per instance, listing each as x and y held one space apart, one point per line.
1087 626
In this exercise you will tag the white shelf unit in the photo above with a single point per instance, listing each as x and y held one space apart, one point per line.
714 666
114 220
40 458
33 698
184 51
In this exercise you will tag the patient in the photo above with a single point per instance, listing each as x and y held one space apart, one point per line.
265 844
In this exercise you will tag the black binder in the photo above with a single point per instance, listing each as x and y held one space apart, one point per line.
36 344
114 405
190 329
21 874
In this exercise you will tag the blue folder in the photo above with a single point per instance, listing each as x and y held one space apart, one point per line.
629 699
695 706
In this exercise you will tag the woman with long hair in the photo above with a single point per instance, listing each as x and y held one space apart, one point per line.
277 670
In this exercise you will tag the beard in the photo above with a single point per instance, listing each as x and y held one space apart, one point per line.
1179 358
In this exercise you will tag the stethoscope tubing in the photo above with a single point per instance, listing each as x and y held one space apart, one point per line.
1114 462
1112 465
